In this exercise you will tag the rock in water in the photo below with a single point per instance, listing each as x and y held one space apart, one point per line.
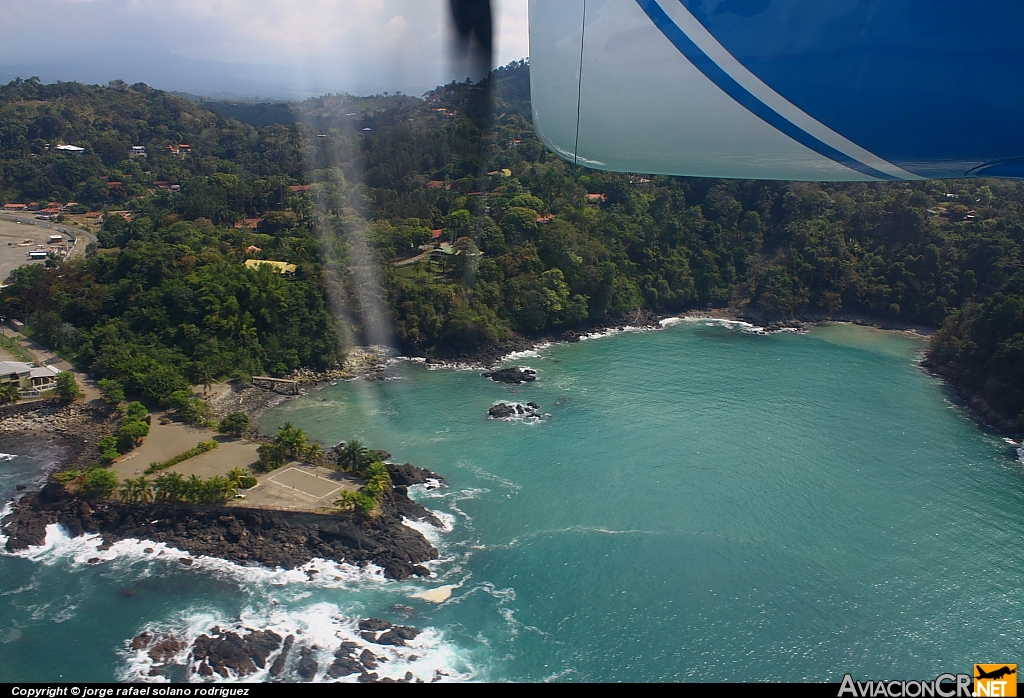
512 376
277 668
505 410
307 665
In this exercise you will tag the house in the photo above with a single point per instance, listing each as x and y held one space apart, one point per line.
252 249
546 219
27 376
299 187
56 239
70 149
597 198
15 207
250 223
436 234
39 254
138 151
280 267
435 184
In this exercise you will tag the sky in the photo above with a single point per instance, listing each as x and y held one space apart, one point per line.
251 48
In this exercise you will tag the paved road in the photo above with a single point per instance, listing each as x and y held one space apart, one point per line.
79 249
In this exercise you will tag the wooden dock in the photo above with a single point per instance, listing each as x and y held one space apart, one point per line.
276 384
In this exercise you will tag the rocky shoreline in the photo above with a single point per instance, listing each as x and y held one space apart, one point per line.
241 535
226 653
979 407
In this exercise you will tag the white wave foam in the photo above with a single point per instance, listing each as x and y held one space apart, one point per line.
735 325
669 321
8 456
320 627
529 415
533 353
59 547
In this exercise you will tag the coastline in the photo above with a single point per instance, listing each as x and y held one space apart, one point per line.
246 536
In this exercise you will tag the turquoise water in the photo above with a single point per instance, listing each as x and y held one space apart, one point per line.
701 503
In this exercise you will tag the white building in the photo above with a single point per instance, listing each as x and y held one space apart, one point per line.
28 376
70 149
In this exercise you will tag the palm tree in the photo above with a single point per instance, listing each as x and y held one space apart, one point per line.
292 439
378 481
9 393
314 453
354 455
217 489
143 489
236 476
193 489
206 377
170 487
128 491
347 501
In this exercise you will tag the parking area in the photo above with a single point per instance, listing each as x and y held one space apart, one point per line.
16 239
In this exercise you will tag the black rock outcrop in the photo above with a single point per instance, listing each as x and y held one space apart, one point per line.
512 376
513 410
271 538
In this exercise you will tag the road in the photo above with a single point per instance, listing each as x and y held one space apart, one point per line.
77 251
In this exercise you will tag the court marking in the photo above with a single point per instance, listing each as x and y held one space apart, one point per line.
297 489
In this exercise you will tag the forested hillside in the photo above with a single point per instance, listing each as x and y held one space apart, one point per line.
348 186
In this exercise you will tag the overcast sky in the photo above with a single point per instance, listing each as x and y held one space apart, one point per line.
245 46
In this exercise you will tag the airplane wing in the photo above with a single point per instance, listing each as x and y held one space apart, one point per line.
844 90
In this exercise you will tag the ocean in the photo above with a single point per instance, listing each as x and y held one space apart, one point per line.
706 502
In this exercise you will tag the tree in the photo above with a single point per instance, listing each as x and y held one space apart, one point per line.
271 457
66 386
192 409
136 490
314 453
170 487
235 424
98 483
460 223
291 439
378 481
108 448
347 500
9 393
111 390
353 456
241 479
136 411
131 433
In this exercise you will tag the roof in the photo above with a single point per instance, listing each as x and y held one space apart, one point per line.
281 267
299 187
9 367
44 372
71 148
435 234
15 206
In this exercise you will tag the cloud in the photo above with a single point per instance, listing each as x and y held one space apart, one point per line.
320 45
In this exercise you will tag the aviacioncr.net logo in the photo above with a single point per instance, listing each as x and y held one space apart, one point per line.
944 686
